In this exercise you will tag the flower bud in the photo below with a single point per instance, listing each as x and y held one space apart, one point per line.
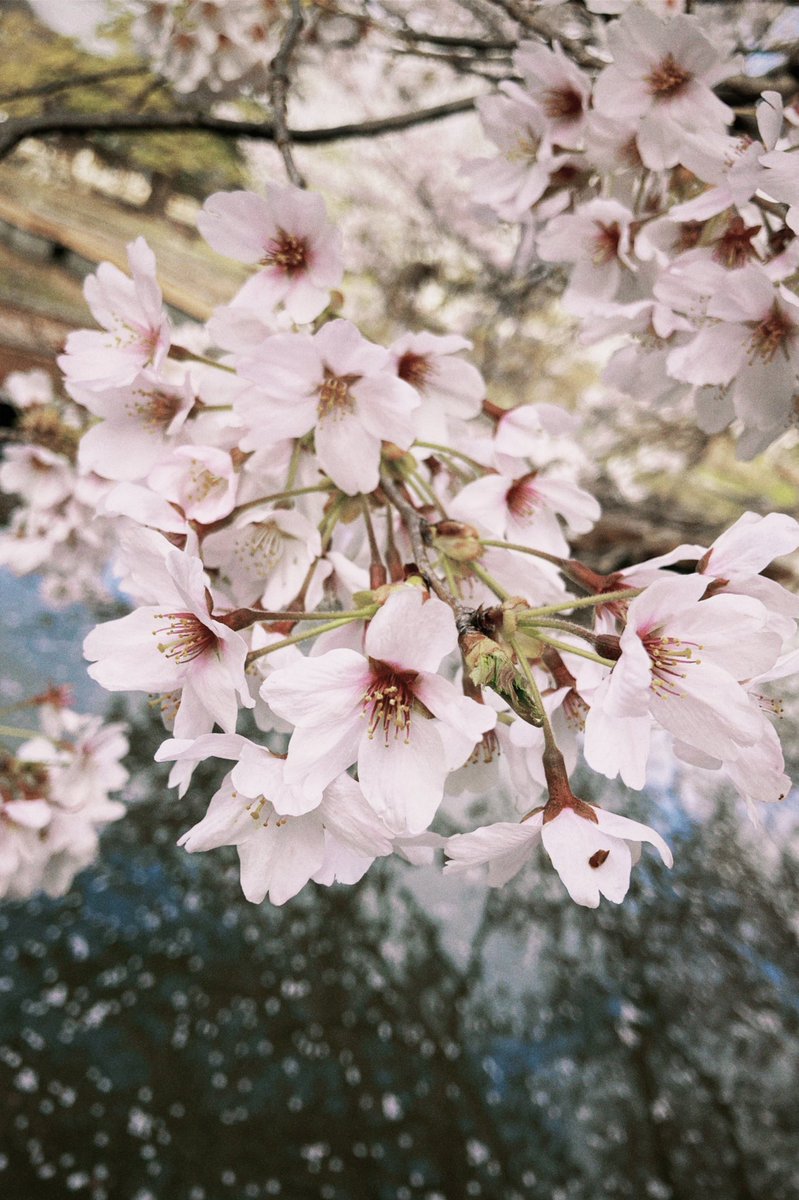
456 540
489 665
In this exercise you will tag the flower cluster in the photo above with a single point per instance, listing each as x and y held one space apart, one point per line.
282 484
55 528
54 796
676 231
223 45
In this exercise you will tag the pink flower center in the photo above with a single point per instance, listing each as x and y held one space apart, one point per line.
562 102
186 637
605 243
388 701
521 497
575 710
415 369
259 547
689 235
335 395
770 334
670 657
286 251
527 146
202 483
667 79
734 248
157 410
148 341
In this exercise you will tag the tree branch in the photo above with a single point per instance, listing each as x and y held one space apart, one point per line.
481 45
416 527
279 90
75 81
14 131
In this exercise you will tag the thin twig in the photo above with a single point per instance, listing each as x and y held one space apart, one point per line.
54 86
482 45
279 90
416 525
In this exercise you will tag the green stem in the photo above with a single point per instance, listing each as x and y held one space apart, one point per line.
302 637
424 490
181 354
579 631
328 523
349 614
374 549
446 567
454 454
583 602
294 464
489 581
15 732
565 648
546 726
553 558
286 495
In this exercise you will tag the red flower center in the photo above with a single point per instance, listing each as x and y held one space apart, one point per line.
187 637
389 700
286 251
415 369
562 102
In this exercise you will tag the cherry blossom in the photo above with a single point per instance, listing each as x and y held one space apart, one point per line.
146 416
222 45
175 644
590 848
596 238
387 710
54 798
749 346
662 73
518 177
525 509
200 480
43 478
280 853
372 548
734 562
288 235
341 386
560 87
448 385
130 309
679 653
265 554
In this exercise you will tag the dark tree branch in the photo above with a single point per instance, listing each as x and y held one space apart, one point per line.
480 45
279 90
63 85
17 129
539 24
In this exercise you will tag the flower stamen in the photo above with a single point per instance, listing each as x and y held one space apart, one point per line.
286 251
388 702
667 79
187 637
